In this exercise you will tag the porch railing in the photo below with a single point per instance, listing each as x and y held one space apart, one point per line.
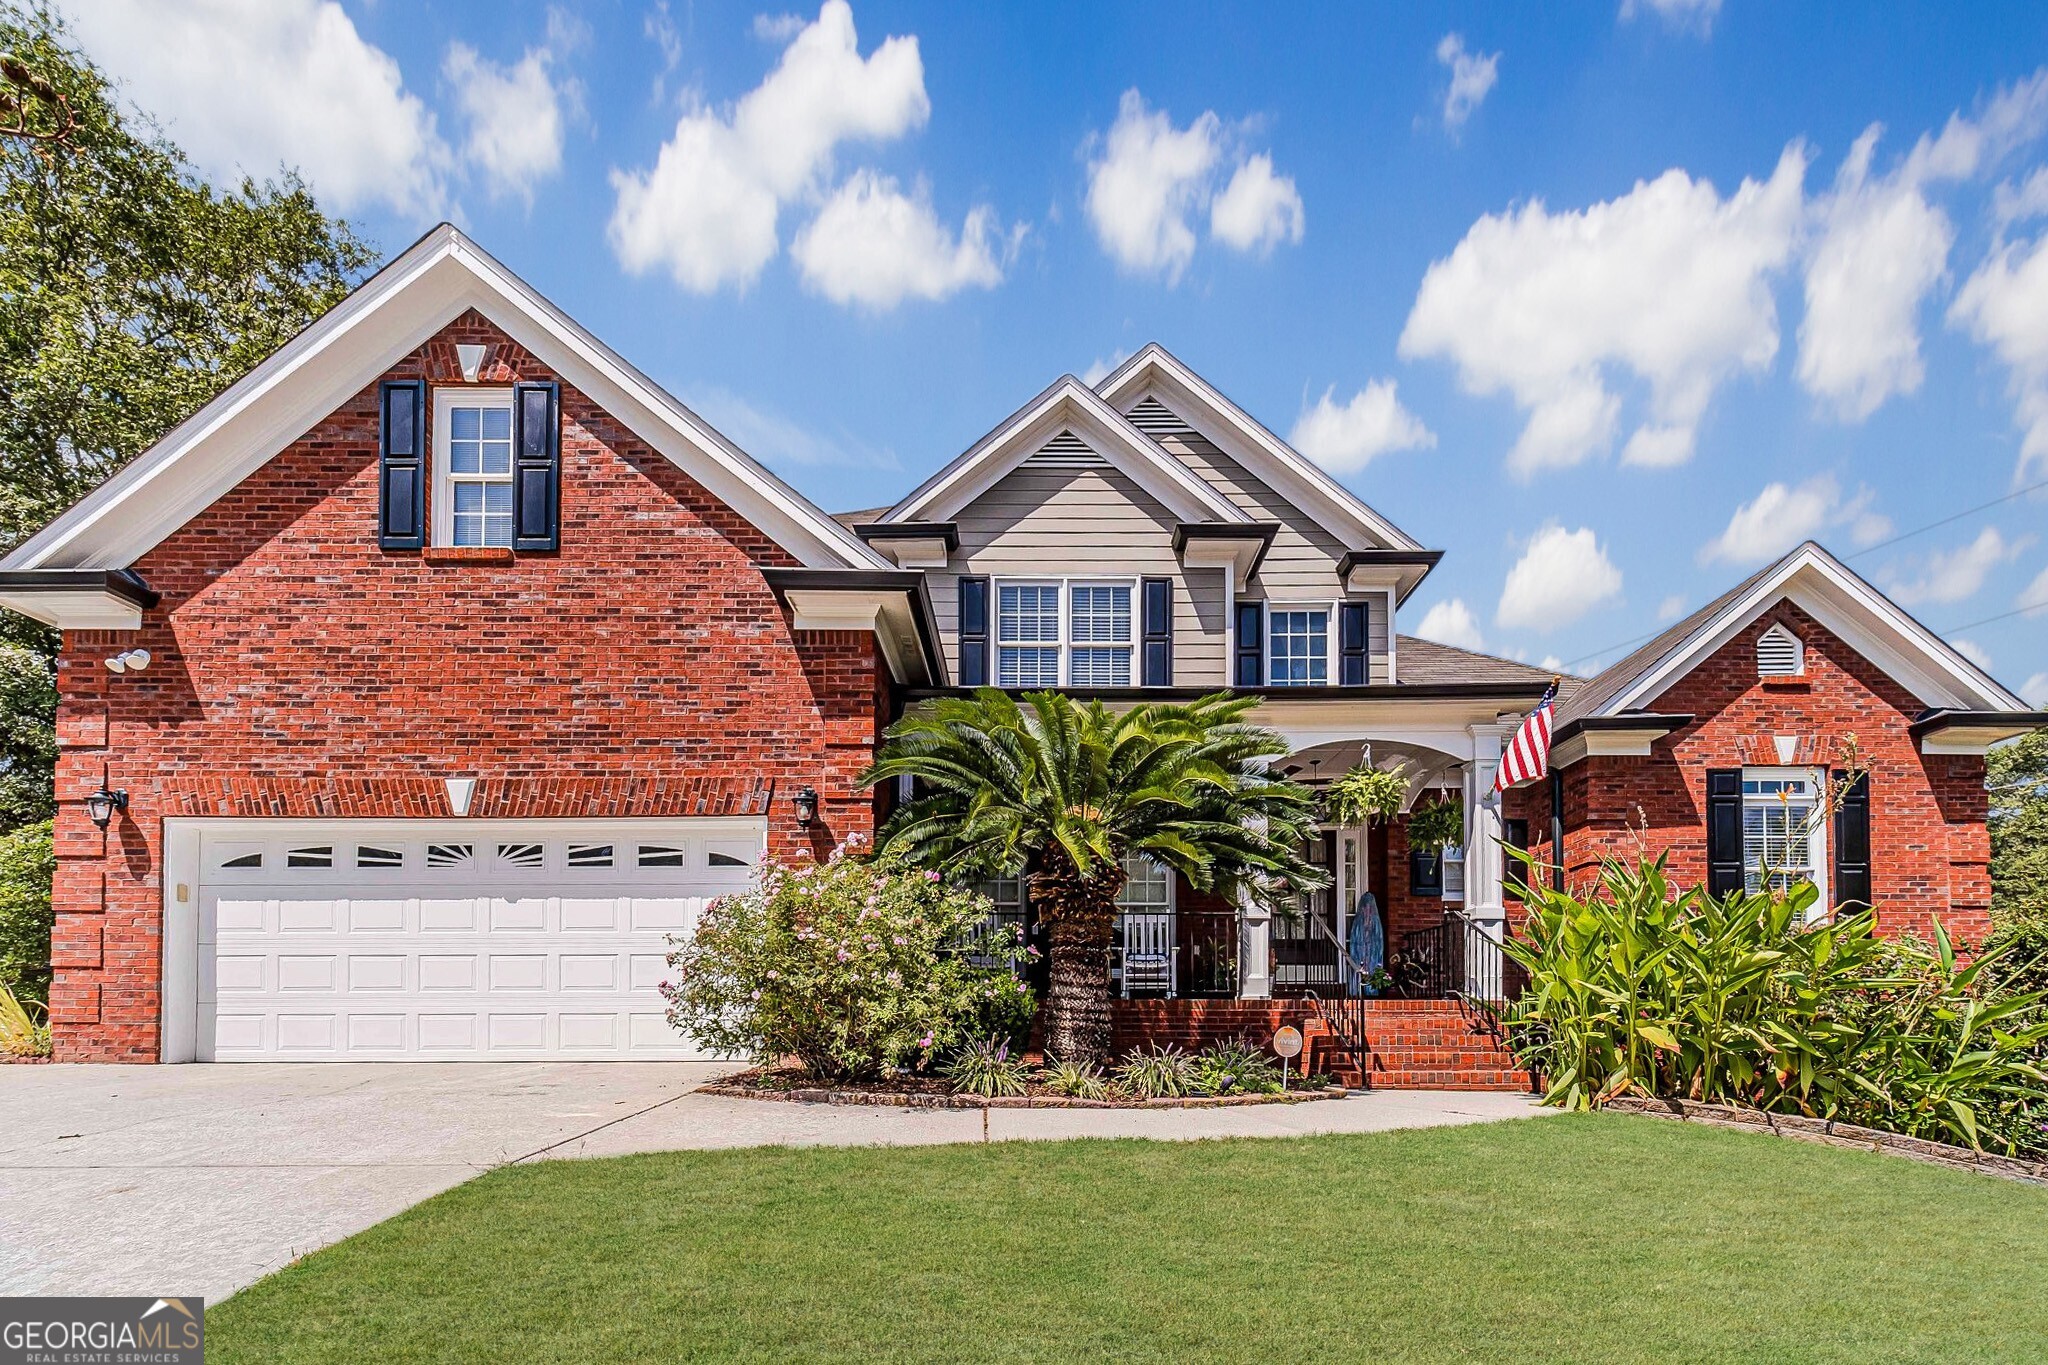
1454 960
1189 954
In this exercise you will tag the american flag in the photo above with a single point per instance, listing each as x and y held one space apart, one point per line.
1528 753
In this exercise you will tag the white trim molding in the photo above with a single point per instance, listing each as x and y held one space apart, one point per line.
418 293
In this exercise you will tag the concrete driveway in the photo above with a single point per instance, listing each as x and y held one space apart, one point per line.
198 1180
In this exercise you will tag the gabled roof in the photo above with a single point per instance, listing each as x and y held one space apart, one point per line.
430 284
1067 405
1300 480
1425 661
1876 627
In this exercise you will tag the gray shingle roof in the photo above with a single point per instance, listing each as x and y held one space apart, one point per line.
1425 661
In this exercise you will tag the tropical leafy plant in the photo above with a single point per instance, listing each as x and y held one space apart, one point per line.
1746 999
1231 1068
852 966
1366 794
1080 1080
1161 1072
987 1068
22 1034
1064 792
1435 825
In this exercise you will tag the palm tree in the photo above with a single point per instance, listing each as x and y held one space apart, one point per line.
1061 792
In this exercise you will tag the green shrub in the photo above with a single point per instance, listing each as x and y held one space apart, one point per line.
851 966
1161 1073
22 1034
27 863
1740 1000
1080 1080
1233 1068
987 1068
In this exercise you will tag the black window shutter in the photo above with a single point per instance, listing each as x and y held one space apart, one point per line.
1351 636
536 467
1158 661
974 632
1725 866
1852 846
402 464
1251 644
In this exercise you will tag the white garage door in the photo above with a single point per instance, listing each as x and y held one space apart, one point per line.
357 940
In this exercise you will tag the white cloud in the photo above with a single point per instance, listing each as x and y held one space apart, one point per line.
777 28
2004 306
661 30
707 210
1670 282
2034 691
1881 247
1560 577
247 86
1781 516
1451 622
1696 16
1343 438
2035 595
780 441
1472 76
516 114
1100 370
1149 180
1257 210
875 246
1671 608
1958 574
1972 651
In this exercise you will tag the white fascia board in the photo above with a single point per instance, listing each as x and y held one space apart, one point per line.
1236 553
335 358
1246 440
885 614
912 552
85 609
1067 404
1871 624
1606 744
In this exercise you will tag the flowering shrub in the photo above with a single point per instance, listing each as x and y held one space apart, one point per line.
851 966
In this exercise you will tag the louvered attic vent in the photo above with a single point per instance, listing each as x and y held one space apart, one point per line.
1066 451
1154 418
1779 654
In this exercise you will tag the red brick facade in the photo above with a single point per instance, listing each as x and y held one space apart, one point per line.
1929 846
644 670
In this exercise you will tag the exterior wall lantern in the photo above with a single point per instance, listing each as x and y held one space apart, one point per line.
103 805
805 803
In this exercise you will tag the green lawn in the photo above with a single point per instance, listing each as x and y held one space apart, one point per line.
1581 1238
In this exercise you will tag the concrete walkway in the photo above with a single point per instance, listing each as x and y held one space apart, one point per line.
198 1180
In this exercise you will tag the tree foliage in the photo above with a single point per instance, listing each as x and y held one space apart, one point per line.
2017 775
131 292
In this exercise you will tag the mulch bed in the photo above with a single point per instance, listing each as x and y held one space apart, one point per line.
922 1092
1826 1131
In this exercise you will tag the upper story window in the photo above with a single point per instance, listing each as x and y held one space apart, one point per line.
1298 646
473 466
1054 634
1779 654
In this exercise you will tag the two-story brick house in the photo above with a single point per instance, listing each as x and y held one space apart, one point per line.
476 663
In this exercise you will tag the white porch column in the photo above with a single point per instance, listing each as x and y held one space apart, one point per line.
1254 950
1483 904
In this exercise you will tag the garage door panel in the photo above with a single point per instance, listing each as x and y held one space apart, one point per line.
499 939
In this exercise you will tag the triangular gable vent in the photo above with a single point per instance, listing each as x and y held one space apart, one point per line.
1066 451
1155 419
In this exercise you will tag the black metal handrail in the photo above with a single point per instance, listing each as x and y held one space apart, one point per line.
1455 960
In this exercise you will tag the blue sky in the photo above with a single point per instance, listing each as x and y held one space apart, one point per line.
1608 302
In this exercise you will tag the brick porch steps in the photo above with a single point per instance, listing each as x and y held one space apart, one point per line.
1415 1044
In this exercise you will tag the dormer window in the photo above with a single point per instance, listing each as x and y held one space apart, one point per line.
1779 654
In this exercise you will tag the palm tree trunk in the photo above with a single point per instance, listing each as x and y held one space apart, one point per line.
1079 914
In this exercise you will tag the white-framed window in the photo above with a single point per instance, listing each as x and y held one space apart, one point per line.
1063 632
1144 929
1297 645
472 466
1784 829
1779 654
